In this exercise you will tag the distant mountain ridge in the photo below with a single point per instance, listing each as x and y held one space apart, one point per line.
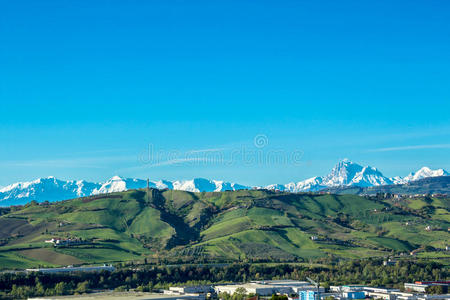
53 189
427 185
347 173
344 174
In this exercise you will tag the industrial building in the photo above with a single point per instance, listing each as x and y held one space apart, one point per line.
422 286
269 287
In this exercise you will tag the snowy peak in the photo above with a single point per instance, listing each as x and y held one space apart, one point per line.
52 189
195 185
424 172
312 184
206 185
119 184
344 173
347 173
427 172
162 184
45 189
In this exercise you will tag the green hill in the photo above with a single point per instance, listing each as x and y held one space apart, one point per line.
256 225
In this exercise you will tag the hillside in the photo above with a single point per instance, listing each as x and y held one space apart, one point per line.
183 226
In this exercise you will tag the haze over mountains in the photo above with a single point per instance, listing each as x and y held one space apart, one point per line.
344 174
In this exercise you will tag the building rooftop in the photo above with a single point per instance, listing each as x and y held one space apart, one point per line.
282 282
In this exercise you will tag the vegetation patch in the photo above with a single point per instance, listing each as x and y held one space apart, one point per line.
155 226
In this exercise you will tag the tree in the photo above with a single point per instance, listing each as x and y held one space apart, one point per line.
61 288
436 289
82 287
39 289
279 297
224 296
239 294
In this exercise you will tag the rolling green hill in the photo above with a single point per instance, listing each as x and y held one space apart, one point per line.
257 225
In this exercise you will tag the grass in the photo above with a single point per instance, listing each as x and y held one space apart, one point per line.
17 261
268 217
227 227
254 224
50 256
391 243
99 255
417 203
148 223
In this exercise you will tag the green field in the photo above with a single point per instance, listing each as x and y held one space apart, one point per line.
251 225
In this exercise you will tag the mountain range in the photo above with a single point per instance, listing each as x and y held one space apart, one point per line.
344 174
347 173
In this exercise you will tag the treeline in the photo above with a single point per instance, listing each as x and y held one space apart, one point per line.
152 278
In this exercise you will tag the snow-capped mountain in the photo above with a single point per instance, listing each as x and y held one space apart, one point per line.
52 189
424 172
43 189
205 185
311 184
119 184
345 173
348 173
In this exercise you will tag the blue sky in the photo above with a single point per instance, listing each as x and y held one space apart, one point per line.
180 89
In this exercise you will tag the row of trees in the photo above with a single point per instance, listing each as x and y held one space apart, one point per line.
151 278
60 288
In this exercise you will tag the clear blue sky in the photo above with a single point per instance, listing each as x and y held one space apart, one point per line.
87 86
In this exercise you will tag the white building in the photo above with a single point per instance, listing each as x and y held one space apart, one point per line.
421 288
198 289
269 287
250 288
347 288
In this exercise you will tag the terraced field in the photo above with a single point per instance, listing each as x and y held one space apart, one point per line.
255 225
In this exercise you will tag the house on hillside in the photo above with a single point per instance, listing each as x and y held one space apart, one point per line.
389 262
58 242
